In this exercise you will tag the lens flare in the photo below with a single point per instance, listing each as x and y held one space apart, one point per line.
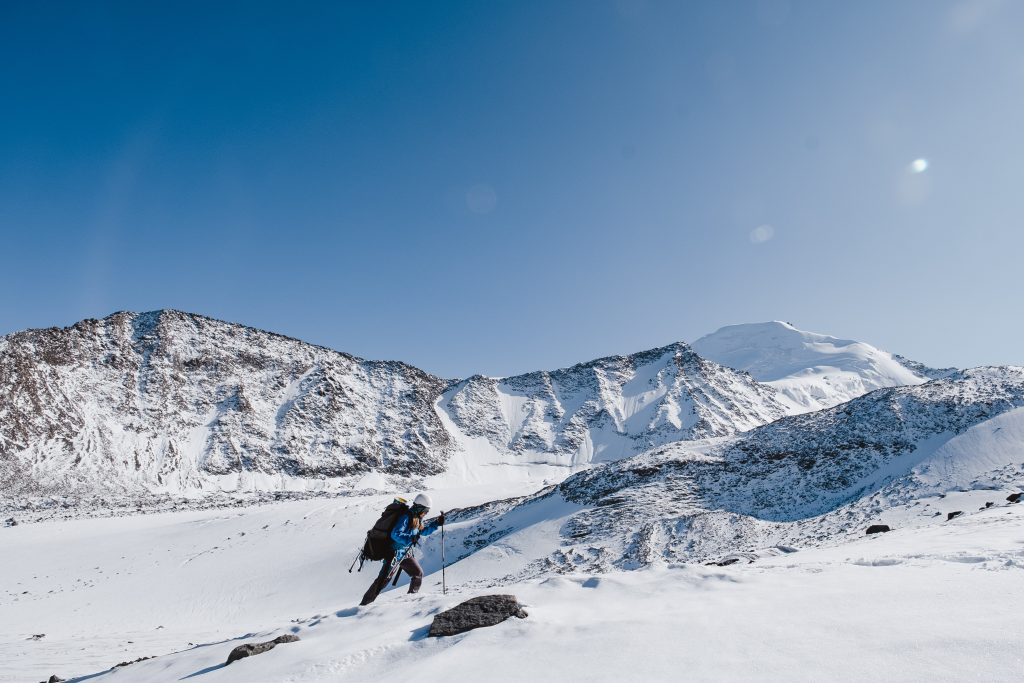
918 165
762 233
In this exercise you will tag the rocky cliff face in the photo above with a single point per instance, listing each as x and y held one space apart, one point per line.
172 401
612 407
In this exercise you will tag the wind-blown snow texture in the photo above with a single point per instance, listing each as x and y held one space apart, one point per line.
177 403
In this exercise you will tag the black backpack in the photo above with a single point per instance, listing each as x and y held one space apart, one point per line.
378 539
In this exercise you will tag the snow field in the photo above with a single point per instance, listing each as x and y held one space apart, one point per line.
939 602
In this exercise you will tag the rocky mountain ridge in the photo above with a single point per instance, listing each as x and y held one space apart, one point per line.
611 407
171 402
174 401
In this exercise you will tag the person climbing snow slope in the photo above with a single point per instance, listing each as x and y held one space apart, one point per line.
405 533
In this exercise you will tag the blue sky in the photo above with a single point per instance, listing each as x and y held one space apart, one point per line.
505 186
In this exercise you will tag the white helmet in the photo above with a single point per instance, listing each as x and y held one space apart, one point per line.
423 500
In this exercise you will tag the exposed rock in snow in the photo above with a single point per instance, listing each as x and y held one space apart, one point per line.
250 649
478 612
813 371
922 370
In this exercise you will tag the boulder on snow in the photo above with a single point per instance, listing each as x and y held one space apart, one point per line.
951 515
1014 497
250 649
485 610
53 679
878 529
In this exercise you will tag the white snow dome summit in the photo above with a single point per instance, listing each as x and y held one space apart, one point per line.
811 371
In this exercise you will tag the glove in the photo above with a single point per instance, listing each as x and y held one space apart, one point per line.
440 519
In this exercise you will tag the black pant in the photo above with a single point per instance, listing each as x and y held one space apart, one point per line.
409 565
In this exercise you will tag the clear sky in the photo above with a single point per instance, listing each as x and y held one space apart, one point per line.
504 186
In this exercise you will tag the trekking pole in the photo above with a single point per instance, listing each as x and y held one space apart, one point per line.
359 556
444 586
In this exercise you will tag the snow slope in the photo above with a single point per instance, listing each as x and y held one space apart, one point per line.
118 588
812 371
936 602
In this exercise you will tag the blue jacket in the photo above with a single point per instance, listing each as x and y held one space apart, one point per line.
403 535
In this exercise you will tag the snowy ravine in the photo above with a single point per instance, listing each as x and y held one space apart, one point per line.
175 403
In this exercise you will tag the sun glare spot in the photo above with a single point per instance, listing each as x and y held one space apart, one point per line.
918 165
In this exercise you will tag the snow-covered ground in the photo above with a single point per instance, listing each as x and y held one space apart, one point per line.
939 601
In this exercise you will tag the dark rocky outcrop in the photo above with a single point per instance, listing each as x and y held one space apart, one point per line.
878 529
951 515
1014 497
250 649
138 384
134 661
485 610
